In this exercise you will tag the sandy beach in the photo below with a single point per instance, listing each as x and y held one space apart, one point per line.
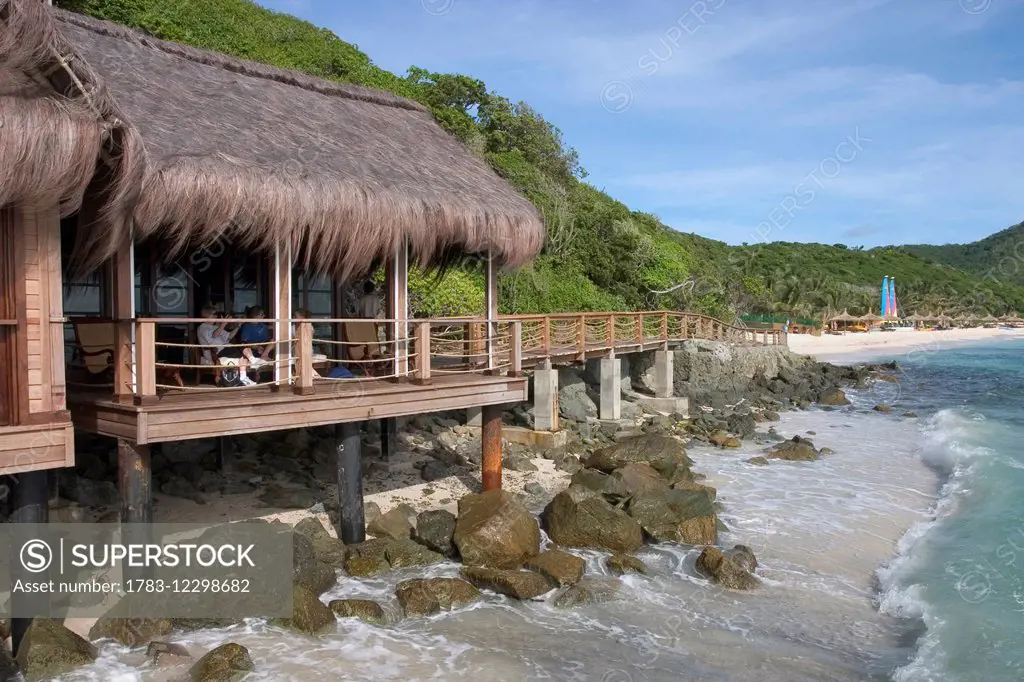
856 346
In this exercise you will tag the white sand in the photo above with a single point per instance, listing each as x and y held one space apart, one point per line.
866 345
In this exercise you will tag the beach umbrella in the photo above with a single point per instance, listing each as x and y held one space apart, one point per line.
870 317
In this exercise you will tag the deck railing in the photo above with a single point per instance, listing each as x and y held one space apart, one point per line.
416 350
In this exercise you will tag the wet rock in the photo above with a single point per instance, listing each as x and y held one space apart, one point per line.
826 451
579 517
724 440
743 556
728 571
309 615
795 450
759 461
327 548
711 491
435 530
427 596
686 516
434 471
49 650
534 488
589 591
158 652
511 583
646 449
365 610
494 529
910 415
613 489
561 568
834 397
131 632
621 564
399 523
770 415
366 566
882 407
227 663
637 479
307 569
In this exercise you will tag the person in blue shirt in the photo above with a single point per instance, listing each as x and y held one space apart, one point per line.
259 335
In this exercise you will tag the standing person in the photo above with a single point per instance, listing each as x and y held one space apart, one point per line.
369 303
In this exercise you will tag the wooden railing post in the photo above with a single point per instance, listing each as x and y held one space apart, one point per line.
145 360
515 349
611 333
664 326
545 336
123 366
422 353
640 329
581 339
304 361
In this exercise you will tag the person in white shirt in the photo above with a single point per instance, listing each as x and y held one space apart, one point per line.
369 304
214 337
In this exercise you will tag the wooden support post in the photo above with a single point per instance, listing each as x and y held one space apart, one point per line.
398 309
422 375
351 523
545 337
29 500
581 339
304 362
611 333
134 478
124 311
145 362
388 438
491 448
225 453
664 326
640 330
515 349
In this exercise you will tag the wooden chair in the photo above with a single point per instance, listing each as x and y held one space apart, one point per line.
95 341
366 345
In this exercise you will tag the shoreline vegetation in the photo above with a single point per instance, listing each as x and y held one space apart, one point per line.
600 255
616 488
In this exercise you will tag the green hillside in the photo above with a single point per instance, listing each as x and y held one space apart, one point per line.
1000 255
600 254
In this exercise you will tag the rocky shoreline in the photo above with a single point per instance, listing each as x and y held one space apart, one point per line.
614 488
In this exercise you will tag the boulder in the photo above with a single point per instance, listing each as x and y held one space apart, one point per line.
589 591
834 397
309 615
686 516
8 668
328 549
795 450
758 461
882 407
574 401
621 564
511 583
579 517
49 650
427 596
637 478
693 485
613 489
307 568
383 554
5 629
561 568
283 497
494 529
366 566
518 461
728 570
227 663
399 523
365 610
724 440
435 530
87 492
743 556
646 449
131 632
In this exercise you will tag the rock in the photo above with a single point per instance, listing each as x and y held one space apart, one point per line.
49 650
882 407
646 449
910 415
434 471
579 517
309 615
728 571
534 488
693 485
366 566
625 563
307 568
724 440
574 401
758 461
795 450
511 583
834 397
743 556
395 524
131 632
435 530
589 591
686 516
826 451
519 461
8 668
5 629
427 596
382 554
365 610
613 489
494 529
158 651
288 498
561 568
637 479
371 510
771 416
87 492
227 663
327 548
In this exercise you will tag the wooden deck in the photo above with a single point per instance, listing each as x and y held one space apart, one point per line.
31 447
184 415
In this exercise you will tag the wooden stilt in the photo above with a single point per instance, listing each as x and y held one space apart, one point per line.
134 478
29 505
491 444
388 438
225 453
351 525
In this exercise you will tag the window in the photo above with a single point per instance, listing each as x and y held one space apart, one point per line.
315 294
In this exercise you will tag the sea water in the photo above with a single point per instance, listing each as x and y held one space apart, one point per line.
894 558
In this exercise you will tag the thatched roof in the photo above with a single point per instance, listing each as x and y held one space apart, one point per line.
265 157
843 317
871 317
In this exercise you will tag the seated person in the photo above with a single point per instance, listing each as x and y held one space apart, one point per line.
214 338
259 335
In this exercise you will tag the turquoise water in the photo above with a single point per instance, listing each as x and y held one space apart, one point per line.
962 574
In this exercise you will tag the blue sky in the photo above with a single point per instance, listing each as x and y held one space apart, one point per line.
856 121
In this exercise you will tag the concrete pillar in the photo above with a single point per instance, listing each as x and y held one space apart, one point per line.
545 398
663 374
611 391
475 416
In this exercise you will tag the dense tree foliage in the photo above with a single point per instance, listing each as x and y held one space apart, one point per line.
600 255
